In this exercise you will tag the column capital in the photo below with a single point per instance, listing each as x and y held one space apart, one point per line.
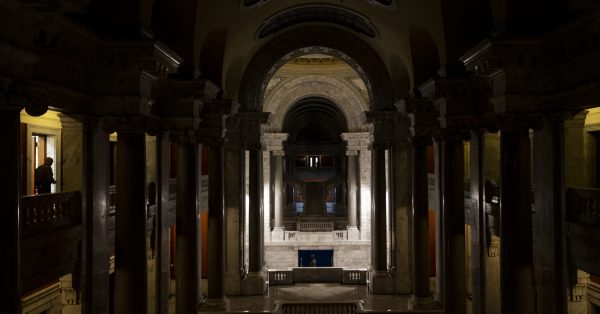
519 121
356 141
126 124
181 101
278 153
274 141
386 127
247 128
81 122
214 114
422 115
351 153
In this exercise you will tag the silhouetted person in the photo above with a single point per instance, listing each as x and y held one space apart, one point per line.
44 176
313 260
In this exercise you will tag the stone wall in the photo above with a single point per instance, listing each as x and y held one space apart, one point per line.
351 254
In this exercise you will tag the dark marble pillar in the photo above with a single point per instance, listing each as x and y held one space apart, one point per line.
256 212
162 265
10 230
379 222
517 292
131 283
216 227
187 228
90 153
454 274
478 231
420 220
549 148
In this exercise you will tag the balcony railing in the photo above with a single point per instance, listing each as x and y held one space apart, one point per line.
49 211
583 206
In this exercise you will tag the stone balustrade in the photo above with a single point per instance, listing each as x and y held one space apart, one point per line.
583 206
49 211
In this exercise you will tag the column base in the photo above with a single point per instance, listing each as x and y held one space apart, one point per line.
214 305
419 303
353 233
381 283
278 234
254 284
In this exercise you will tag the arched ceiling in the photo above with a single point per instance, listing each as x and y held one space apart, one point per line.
390 20
314 120
316 76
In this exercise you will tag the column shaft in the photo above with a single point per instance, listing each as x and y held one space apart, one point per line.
162 266
516 251
187 228
352 190
255 219
10 230
420 221
478 231
454 274
95 258
379 226
278 190
216 227
131 284
548 219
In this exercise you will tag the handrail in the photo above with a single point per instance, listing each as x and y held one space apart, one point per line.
49 211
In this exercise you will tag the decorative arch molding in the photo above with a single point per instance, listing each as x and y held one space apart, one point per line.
316 39
317 13
347 98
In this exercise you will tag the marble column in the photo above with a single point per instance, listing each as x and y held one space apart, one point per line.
86 155
255 283
517 292
379 229
187 228
10 226
401 169
255 208
278 194
216 227
131 283
421 296
234 194
454 272
478 226
162 263
549 148
381 280
352 156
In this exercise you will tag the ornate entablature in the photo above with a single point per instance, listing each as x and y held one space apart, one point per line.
317 13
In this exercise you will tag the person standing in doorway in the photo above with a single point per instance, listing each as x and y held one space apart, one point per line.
44 176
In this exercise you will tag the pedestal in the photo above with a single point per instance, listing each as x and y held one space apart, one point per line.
215 305
381 282
254 284
353 233
277 234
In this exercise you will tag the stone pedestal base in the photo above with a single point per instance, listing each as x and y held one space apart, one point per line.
381 283
254 284
353 234
214 305
277 234
416 303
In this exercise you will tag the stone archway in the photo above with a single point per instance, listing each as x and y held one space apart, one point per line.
290 92
328 40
